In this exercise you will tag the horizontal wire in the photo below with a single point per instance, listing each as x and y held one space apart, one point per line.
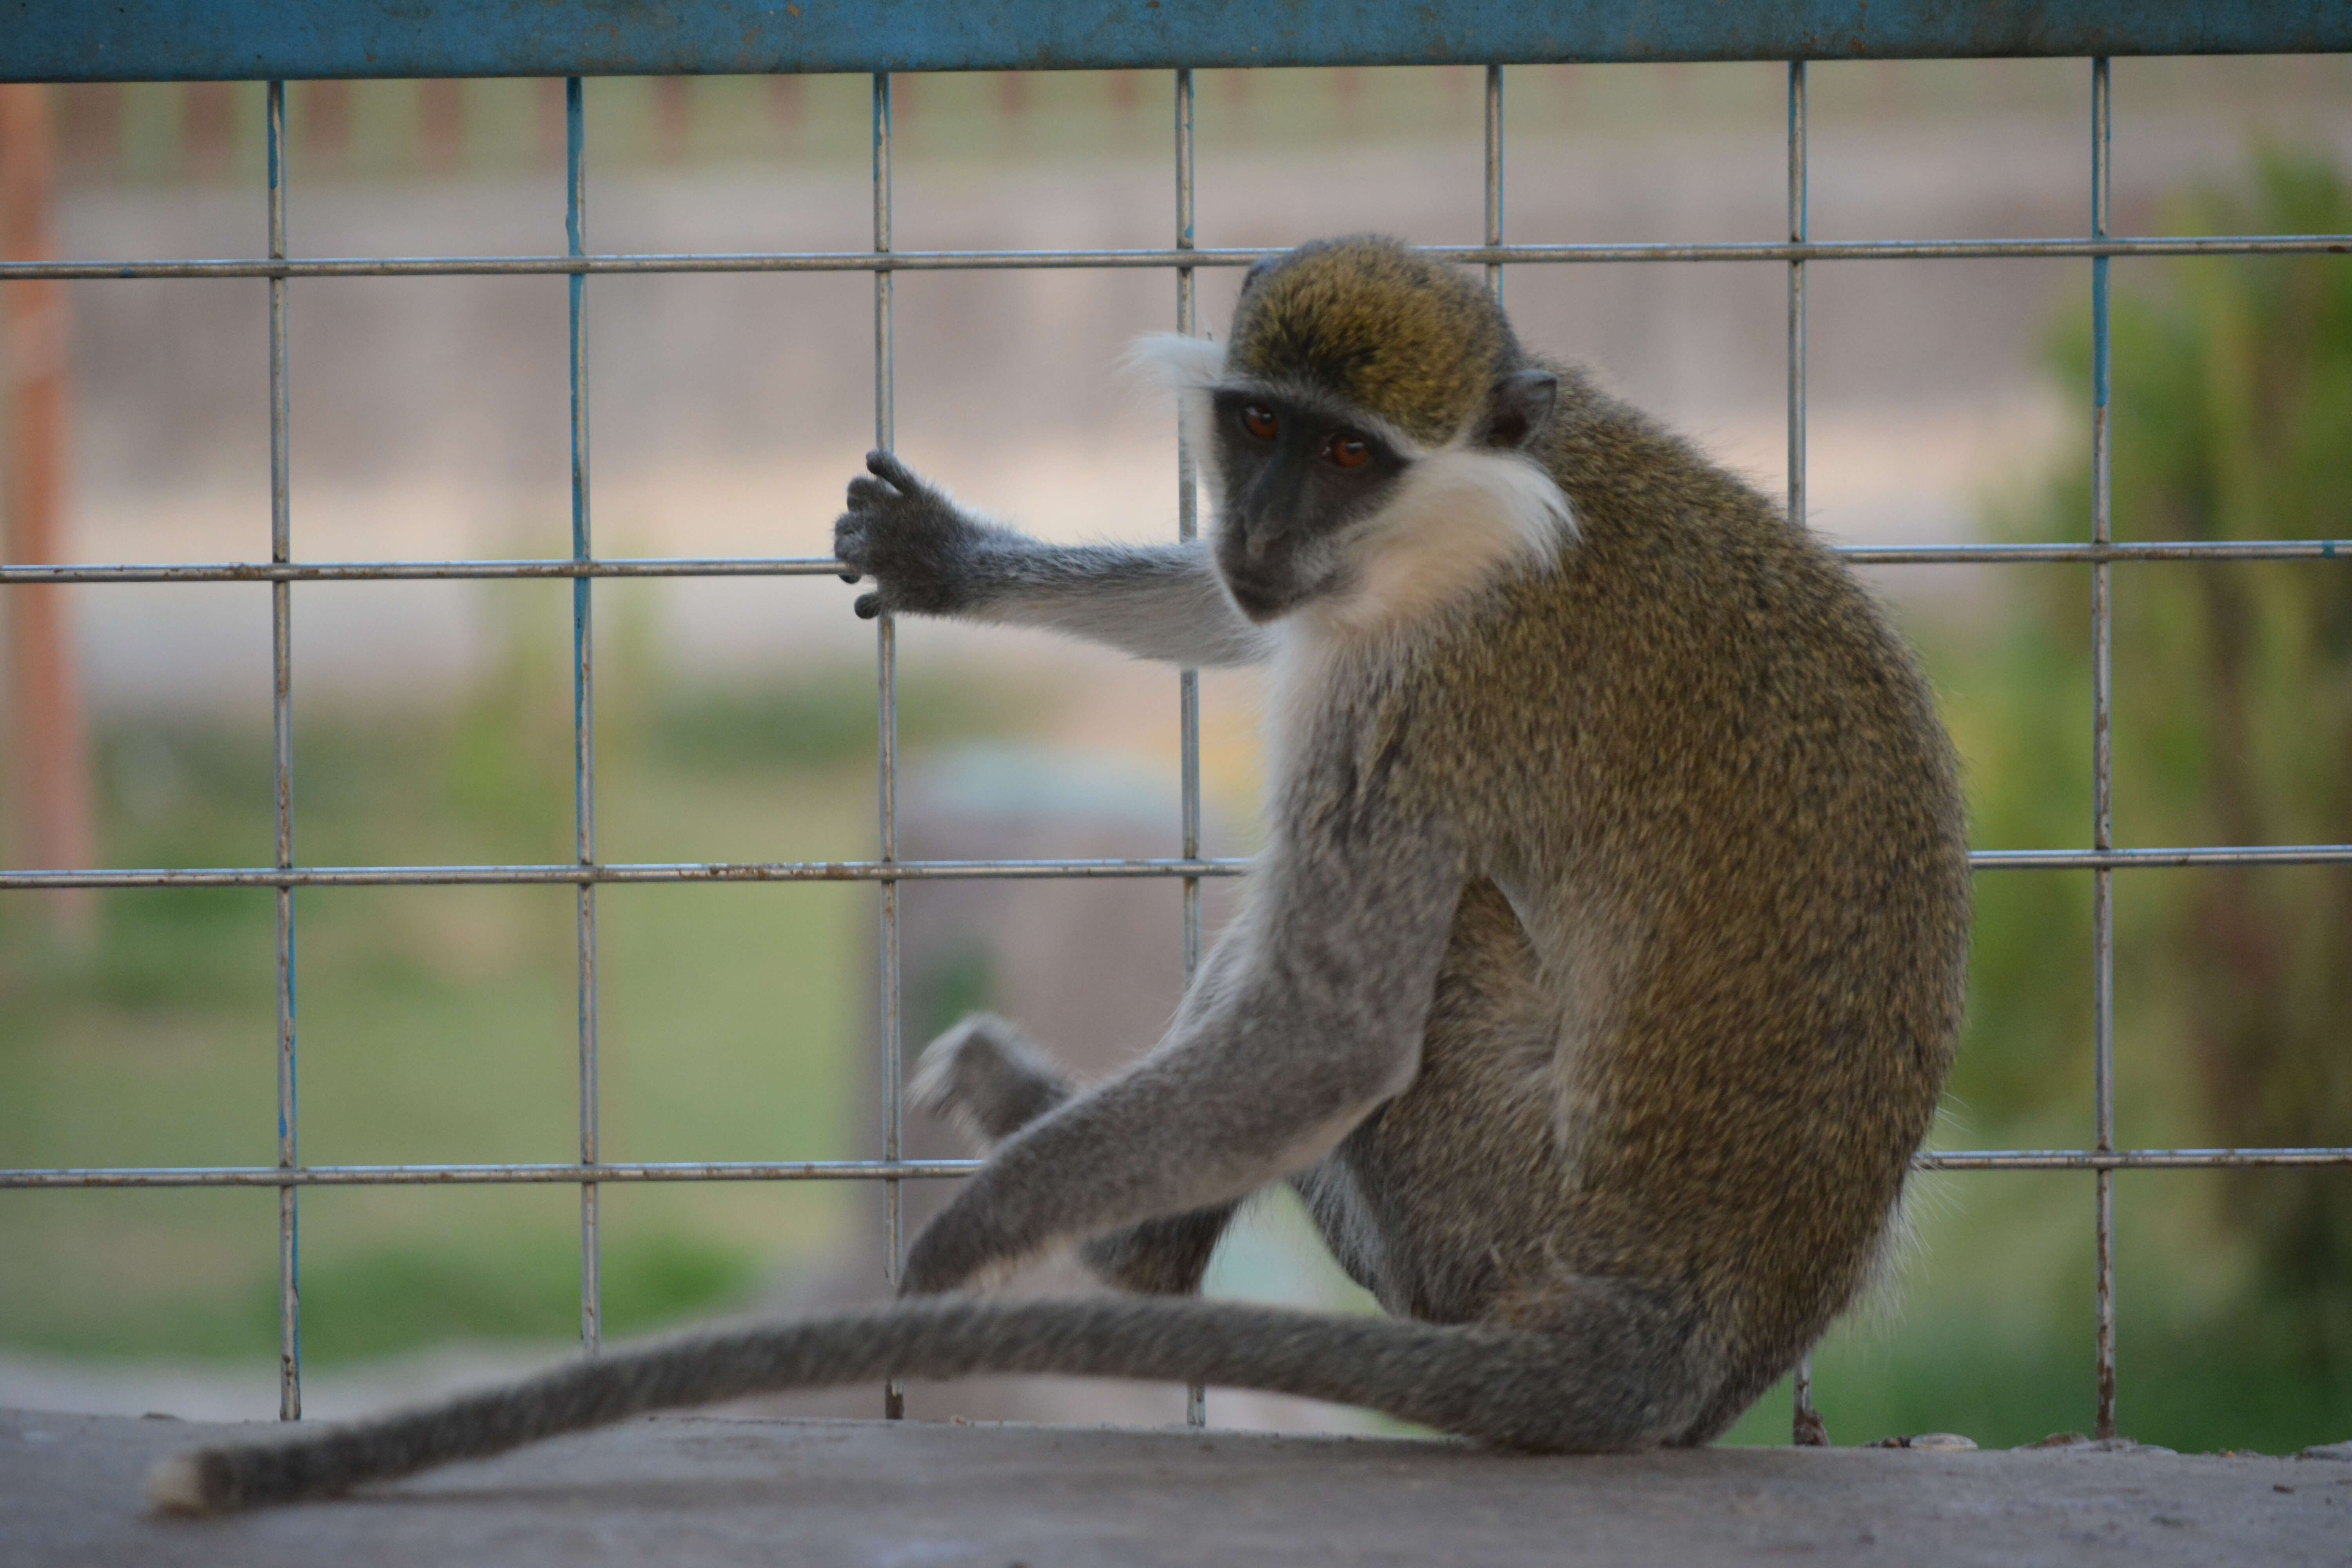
998 871
489 1175
404 571
2158 859
702 872
2173 549
871 262
824 566
891 1169
2124 1159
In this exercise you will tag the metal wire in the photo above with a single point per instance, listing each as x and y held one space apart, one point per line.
281 736
885 673
824 566
1805 1425
1495 176
881 261
1188 682
582 568
917 1170
887 871
2103 903
584 716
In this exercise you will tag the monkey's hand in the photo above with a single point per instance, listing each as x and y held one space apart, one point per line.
924 553
986 1076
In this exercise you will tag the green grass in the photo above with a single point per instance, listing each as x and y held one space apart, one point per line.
1986 1327
439 1024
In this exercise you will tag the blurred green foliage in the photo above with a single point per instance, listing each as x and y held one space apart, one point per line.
2233 725
437 1024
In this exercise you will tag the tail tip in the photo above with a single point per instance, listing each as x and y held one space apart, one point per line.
177 1486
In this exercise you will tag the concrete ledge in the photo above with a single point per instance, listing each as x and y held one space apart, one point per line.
687 1491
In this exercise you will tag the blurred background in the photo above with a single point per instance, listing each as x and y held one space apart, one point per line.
1948 403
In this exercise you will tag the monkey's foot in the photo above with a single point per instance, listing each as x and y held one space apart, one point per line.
987 1078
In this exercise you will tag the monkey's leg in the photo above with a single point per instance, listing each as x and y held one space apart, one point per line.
990 1078
1163 1256
1309 1015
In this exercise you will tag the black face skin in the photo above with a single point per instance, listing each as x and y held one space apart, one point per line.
1295 478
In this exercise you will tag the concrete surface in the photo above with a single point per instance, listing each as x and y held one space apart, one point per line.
689 1491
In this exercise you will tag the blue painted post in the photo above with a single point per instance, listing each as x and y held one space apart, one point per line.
234 40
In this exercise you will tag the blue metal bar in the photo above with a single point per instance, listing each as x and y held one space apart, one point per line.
886 676
187 41
1042 260
583 718
281 727
2103 814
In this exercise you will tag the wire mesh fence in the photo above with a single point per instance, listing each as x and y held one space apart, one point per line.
587 873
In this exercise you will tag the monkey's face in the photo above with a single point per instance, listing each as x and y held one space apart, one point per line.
1297 481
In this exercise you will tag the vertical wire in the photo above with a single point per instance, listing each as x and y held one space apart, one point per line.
281 734
1806 1427
2103 912
1800 226
1188 527
886 663
1494 175
583 717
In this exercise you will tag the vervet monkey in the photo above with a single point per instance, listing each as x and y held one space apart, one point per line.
1596 982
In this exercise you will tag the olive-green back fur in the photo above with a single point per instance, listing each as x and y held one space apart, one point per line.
1711 781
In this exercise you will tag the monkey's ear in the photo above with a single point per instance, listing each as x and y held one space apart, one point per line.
1521 403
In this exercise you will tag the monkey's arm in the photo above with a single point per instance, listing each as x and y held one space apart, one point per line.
1315 1020
929 556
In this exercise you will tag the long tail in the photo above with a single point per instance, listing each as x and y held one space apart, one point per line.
1502 1387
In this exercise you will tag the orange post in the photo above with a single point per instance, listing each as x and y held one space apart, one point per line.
49 753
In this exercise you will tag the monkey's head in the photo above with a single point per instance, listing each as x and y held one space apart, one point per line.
1370 415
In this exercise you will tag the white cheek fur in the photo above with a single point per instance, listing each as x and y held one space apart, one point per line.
1463 517
1189 367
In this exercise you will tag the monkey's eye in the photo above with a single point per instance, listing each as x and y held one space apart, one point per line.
1260 422
1349 451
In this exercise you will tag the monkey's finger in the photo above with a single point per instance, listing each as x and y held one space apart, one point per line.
887 464
868 605
849 547
868 495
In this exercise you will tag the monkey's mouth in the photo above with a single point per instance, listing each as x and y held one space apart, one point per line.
1261 600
